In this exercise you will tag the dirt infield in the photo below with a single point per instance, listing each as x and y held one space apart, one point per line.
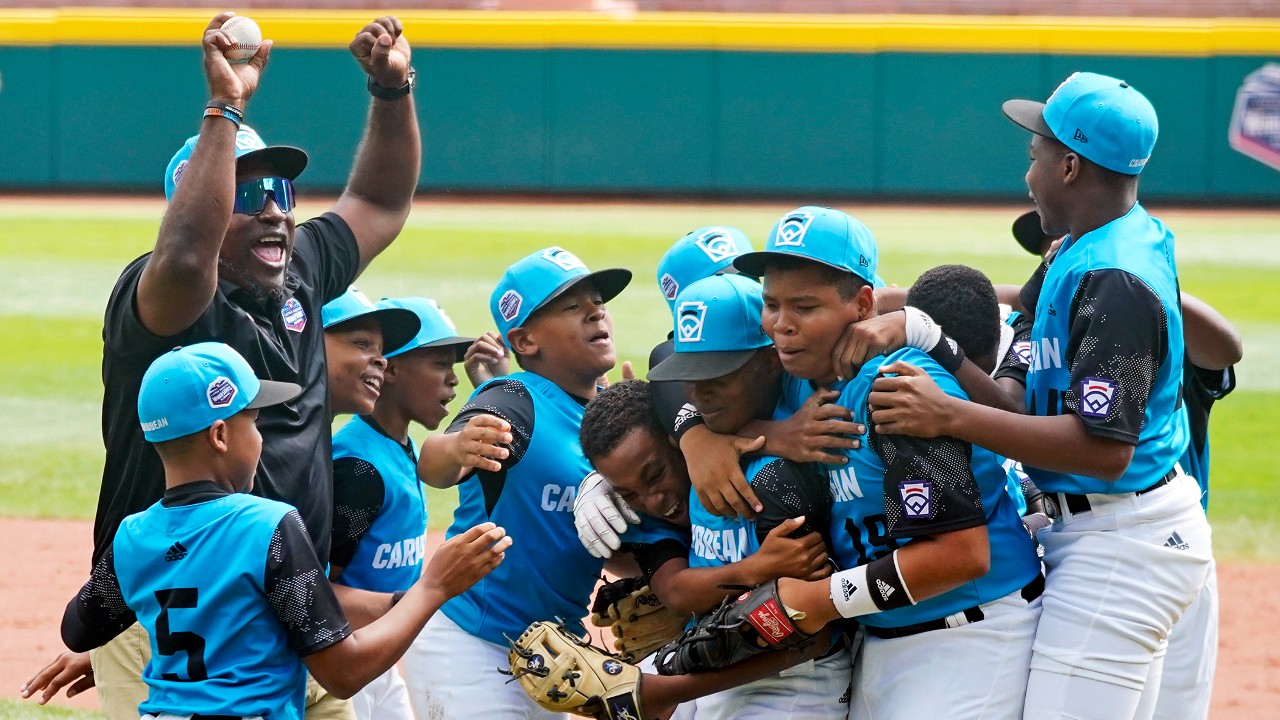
47 560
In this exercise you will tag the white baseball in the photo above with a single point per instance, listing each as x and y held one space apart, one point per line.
247 37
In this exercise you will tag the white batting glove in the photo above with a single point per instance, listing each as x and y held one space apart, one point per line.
600 516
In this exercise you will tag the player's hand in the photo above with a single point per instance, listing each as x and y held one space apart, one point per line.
816 432
715 470
68 669
486 359
600 516
869 338
780 555
910 403
480 444
464 559
231 84
383 52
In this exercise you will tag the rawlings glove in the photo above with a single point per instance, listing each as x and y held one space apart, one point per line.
600 516
639 620
754 622
565 674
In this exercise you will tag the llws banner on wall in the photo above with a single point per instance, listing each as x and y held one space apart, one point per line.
1255 121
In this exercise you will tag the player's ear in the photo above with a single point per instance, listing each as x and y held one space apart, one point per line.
1072 164
522 342
389 372
216 436
865 299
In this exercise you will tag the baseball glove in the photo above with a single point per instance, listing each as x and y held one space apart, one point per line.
639 620
565 674
740 628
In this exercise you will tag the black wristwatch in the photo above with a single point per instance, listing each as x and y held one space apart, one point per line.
383 93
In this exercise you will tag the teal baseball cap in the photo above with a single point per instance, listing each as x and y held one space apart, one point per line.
819 234
1100 118
399 325
190 388
717 329
437 329
285 161
700 254
539 278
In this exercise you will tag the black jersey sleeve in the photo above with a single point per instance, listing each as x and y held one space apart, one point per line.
929 487
1119 336
788 490
299 592
1029 296
1017 358
358 494
328 242
509 400
97 613
651 556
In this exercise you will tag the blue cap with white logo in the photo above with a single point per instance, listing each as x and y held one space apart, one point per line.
190 388
1100 118
437 329
287 162
718 329
541 277
398 324
820 234
700 254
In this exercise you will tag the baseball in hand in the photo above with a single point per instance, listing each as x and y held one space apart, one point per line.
247 37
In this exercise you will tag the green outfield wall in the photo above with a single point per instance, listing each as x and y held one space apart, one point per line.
704 106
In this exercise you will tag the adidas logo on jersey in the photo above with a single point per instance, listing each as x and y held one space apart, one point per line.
1176 542
177 551
885 589
847 588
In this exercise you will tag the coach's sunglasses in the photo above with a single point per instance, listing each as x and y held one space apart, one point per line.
251 195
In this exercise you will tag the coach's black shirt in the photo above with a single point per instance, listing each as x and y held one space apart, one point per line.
282 342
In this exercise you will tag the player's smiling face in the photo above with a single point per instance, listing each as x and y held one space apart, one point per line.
1045 182
423 381
353 350
729 402
649 474
257 248
574 332
805 316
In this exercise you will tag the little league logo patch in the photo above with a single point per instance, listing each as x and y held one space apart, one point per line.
563 259
1095 397
691 316
792 229
221 392
177 172
717 245
670 288
1022 351
295 318
613 667
509 305
917 498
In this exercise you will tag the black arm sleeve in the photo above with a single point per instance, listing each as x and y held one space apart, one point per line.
789 490
929 486
509 400
1015 362
299 592
651 556
97 613
358 493
1119 338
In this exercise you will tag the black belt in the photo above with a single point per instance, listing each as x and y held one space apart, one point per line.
1030 591
1080 503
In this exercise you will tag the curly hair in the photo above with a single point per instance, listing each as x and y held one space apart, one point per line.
961 300
613 414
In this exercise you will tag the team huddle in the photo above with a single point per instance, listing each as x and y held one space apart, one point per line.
831 498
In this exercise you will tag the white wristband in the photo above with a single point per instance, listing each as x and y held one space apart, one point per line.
850 592
922 333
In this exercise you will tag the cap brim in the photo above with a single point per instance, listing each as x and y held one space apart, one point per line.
1026 230
1030 115
609 282
273 392
399 327
461 343
696 366
752 264
288 162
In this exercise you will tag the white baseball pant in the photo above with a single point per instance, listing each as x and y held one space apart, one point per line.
1192 658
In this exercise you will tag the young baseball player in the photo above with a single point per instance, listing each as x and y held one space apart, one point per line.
357 336
227 584
380 514
1105 429
513 452
937 566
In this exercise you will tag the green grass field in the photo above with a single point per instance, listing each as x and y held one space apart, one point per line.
62 259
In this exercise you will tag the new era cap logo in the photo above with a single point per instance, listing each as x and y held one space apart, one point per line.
716 245
221 392
917 498
509 305
1079 136
690 319
1095 397
670 288
563 259
792 229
